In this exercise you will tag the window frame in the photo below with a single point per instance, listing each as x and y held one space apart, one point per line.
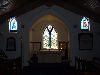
82 20
44 49
10 20
8 43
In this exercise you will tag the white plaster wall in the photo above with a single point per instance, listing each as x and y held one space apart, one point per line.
70 19
27 19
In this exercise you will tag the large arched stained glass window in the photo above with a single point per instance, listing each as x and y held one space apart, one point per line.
50 38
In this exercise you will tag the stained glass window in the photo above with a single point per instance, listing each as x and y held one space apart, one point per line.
85 23
12 24
50 38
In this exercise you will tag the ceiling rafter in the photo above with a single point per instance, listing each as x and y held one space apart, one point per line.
83 7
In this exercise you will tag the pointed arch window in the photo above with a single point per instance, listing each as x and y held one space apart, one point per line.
50 38
85 23
13 25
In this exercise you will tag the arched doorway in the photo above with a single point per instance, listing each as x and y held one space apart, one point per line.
36 40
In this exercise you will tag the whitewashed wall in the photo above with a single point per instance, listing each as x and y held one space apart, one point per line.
69 18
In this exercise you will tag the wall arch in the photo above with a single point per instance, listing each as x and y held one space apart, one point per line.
66 16
43 22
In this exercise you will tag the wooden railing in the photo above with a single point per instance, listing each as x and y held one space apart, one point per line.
96 63
83 64
36 46
87 66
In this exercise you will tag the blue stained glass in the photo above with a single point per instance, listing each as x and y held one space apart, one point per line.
12 24
85 23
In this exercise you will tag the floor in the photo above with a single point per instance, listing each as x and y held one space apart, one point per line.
49 69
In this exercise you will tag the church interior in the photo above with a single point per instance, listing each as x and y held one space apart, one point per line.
44 37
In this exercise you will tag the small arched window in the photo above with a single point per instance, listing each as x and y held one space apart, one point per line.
13 25
11 44
50 38
85 23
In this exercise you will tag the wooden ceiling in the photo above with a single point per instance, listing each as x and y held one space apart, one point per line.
89 8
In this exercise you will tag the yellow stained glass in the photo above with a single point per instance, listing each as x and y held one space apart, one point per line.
50 38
